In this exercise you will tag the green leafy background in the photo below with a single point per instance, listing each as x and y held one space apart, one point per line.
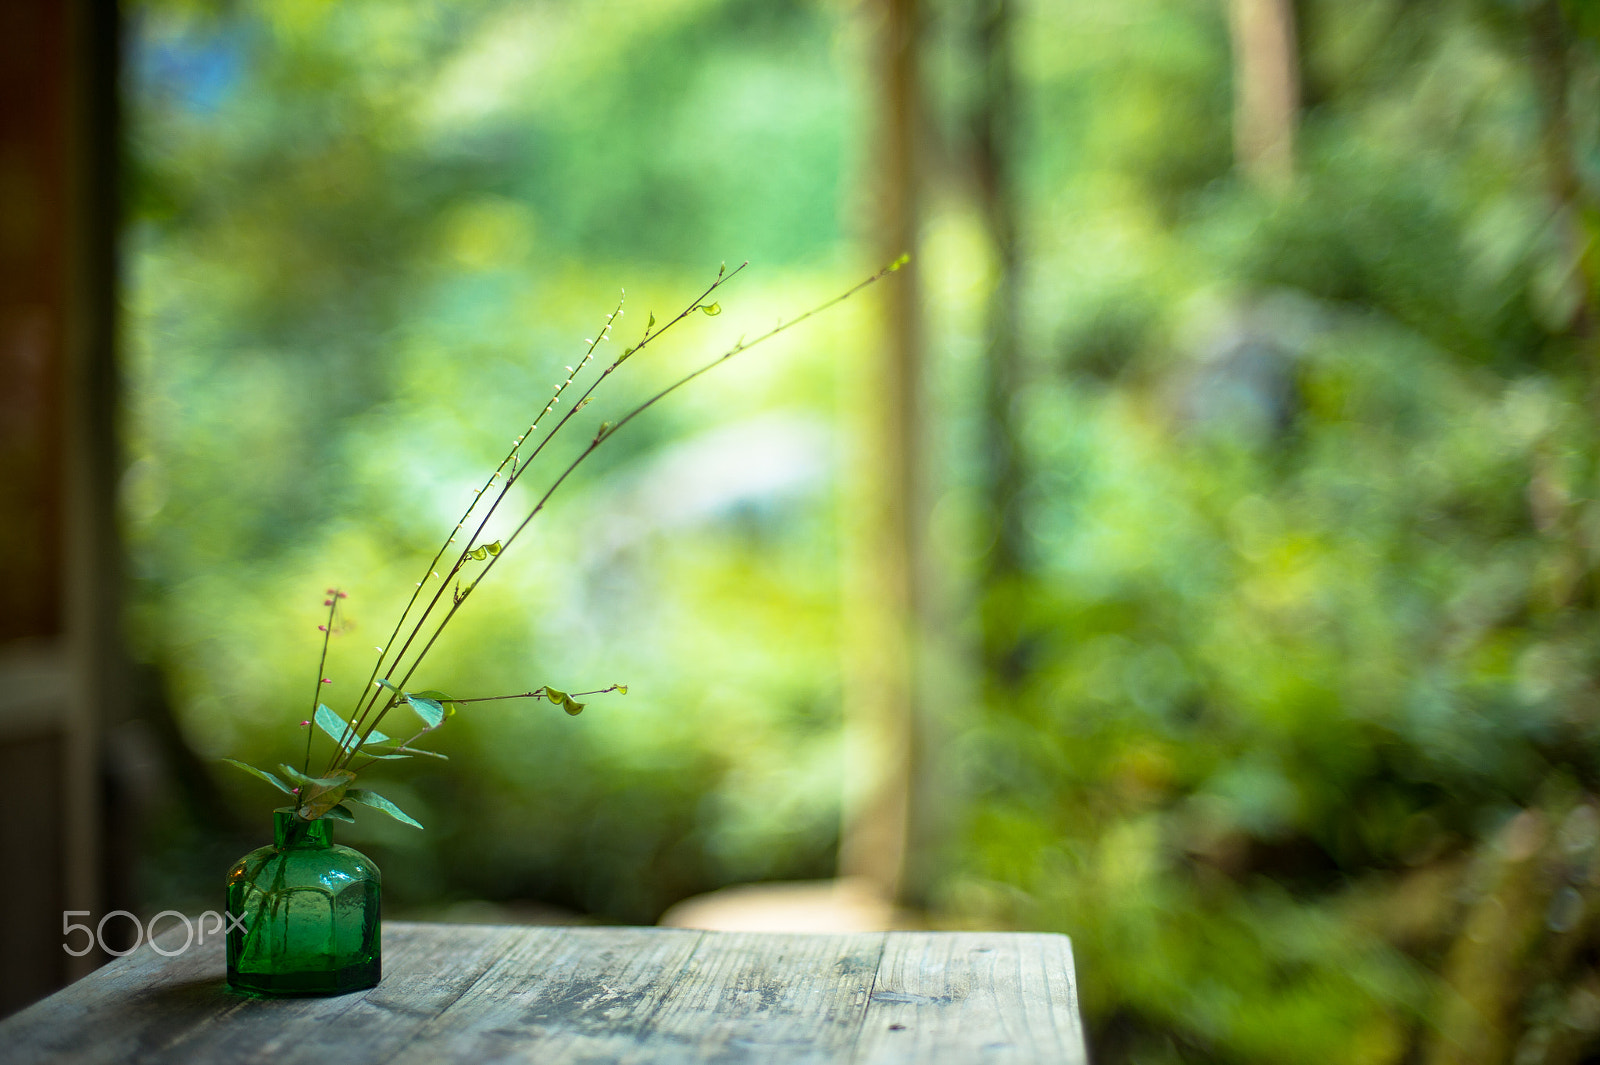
1306 614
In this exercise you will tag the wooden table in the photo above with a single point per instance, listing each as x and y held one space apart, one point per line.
487 993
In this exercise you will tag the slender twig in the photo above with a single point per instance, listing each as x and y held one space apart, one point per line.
370 695
477 495
538 693
690 308
334 595
370 698
605 433
404 746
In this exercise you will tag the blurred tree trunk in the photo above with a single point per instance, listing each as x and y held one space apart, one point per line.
1519 978
881 711
1550 43
1266 89
993 150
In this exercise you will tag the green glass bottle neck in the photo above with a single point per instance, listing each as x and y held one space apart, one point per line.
290 832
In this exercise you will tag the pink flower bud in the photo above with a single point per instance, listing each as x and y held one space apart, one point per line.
297 791
303 724
327 602
322 628
341 595
327 680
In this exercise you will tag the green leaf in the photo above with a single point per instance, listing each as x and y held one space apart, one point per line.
378 802
262 773
340 732
341 776
337 728
711 310
898 263
565 701
479 553
318 795
449 704
386 757
430 710
622 688
493 549
341 812
651 324
386 683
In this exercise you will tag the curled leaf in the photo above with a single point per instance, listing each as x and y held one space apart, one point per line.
341 812
898 263
565 701
711 310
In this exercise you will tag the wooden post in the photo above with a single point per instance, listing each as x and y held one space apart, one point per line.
59 648
884 601
1266 89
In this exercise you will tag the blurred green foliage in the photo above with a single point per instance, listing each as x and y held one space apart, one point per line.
1299 690
1310 612
365 238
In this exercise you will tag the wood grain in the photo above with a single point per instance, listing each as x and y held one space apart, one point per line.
973 996
569 995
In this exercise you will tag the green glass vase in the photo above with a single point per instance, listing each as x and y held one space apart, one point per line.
303 914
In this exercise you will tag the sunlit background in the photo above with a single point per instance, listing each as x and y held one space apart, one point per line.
1254 528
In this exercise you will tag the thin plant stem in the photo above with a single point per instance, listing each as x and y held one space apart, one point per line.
370 697
690 308
605 433
363 701
477 495
537 693
404 746
316 697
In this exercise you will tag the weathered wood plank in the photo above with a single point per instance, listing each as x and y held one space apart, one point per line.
765 998
570 995
957 997
563 995
117 1011
146 1008
424 974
